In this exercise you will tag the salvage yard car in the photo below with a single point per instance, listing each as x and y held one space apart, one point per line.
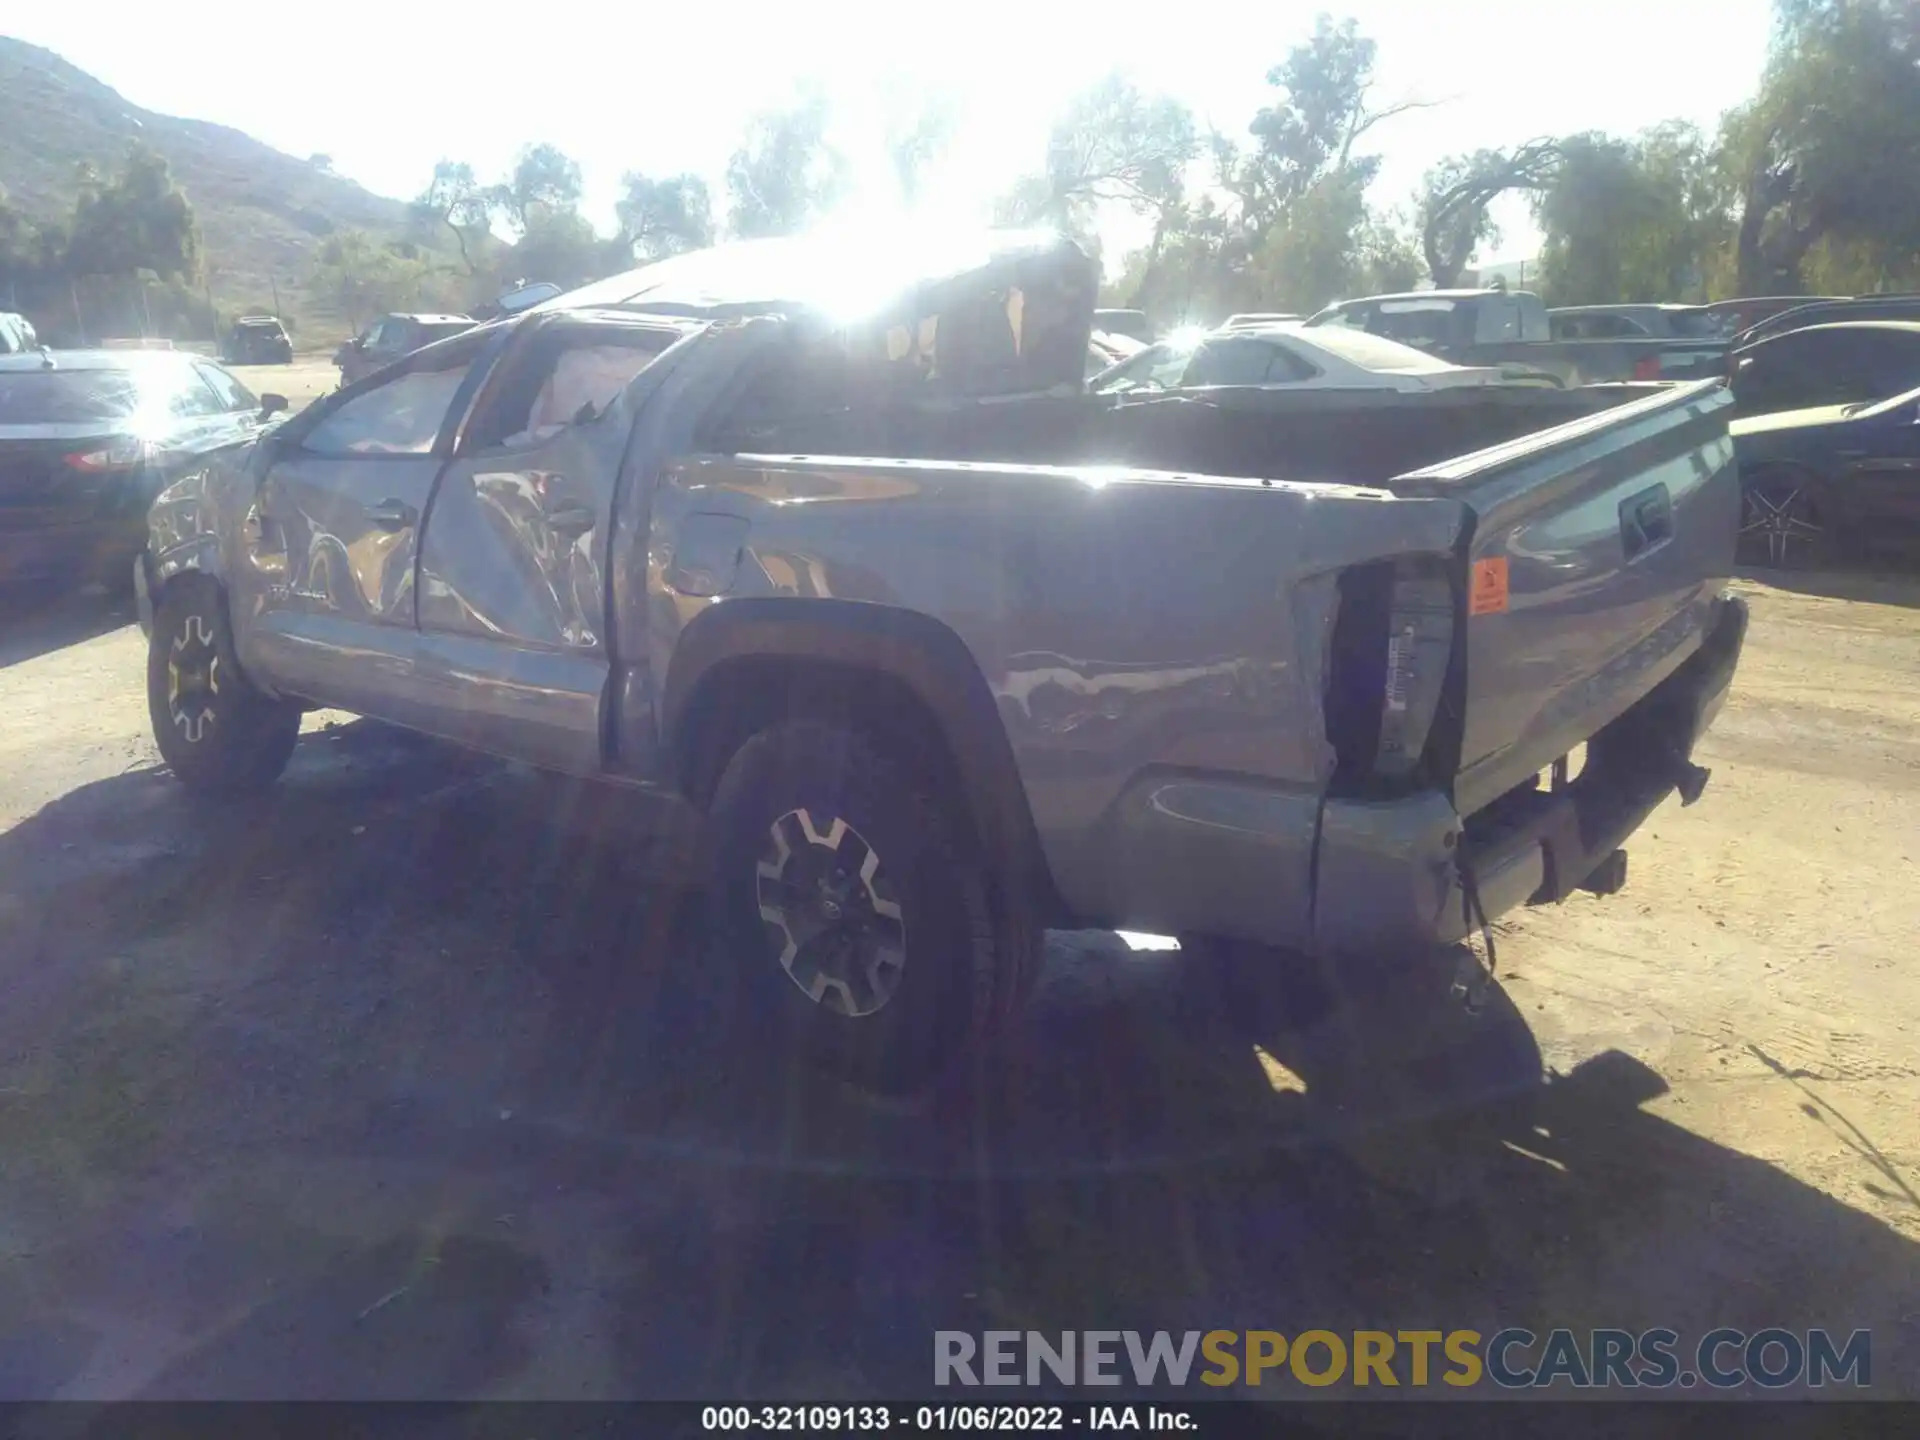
88 438
1286 354
258 340
1497 327
826 536
1852 363
391 337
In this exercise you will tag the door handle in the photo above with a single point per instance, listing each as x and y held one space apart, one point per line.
389 515
569 519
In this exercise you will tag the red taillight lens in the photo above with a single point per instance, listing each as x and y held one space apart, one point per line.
115 455
1647 368
1390 658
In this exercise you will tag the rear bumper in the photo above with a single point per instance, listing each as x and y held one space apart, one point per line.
1389 874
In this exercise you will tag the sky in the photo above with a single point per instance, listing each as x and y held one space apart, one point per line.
387 89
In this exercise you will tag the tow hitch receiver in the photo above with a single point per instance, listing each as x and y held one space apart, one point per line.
1609 877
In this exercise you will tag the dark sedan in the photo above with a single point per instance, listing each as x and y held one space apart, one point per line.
88 438
1831 312
1845 364
1817 480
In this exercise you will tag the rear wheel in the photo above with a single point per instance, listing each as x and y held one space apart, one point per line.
849 890
217 733
1783 521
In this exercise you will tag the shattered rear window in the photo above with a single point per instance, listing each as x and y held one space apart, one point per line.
66 397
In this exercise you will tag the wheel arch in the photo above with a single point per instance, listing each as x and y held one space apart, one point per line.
743 663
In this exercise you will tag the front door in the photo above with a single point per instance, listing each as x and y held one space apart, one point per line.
514 654
335 539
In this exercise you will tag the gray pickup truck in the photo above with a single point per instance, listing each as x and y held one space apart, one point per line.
835 545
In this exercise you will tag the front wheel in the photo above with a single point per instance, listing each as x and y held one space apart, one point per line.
1783 521
218 734
857 907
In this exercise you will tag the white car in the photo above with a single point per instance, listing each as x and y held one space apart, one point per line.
1322 358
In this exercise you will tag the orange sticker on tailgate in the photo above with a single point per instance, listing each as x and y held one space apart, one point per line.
1489 594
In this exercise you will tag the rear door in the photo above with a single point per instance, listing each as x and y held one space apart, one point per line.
334 537
514 653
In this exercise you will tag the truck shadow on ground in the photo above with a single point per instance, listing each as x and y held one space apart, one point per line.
408 1080
1872 583
34 624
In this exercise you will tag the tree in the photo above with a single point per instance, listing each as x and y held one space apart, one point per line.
1389 255
543 178
363 278
1112 145
914 143
456 199
1314 256
321 161
559 245
785 173
1287 222
1312 128
1456 194
137 221
1630 219
1827 149
664 217
18 243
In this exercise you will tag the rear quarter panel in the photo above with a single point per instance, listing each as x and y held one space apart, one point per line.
1128 624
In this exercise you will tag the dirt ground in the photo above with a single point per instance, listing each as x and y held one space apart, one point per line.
402 1081
306 379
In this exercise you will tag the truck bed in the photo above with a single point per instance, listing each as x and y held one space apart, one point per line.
1598 523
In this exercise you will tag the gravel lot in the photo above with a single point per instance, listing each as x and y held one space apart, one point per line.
400 1082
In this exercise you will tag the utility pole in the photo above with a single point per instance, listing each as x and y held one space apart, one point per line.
276 293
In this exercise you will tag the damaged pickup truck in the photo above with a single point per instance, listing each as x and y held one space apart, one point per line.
827 538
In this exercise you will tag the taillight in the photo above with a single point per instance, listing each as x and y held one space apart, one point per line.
1387 678
1647 367
115 455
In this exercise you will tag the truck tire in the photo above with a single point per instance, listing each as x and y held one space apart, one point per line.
857 906
218 734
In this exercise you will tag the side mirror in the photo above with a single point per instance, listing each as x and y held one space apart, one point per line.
271 405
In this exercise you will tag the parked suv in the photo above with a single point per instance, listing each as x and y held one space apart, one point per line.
391 337
258 340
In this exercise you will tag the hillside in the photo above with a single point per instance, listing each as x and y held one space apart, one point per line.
261 212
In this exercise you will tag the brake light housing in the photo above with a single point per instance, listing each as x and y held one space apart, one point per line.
121 454
1393 673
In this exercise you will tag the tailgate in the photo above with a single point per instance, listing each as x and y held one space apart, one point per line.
1596 551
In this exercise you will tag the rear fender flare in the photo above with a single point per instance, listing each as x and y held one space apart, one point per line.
919 652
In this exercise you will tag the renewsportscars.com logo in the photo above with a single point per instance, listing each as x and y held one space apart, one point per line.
1513 1359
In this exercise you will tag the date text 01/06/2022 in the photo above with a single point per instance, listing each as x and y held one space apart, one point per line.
924 1419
